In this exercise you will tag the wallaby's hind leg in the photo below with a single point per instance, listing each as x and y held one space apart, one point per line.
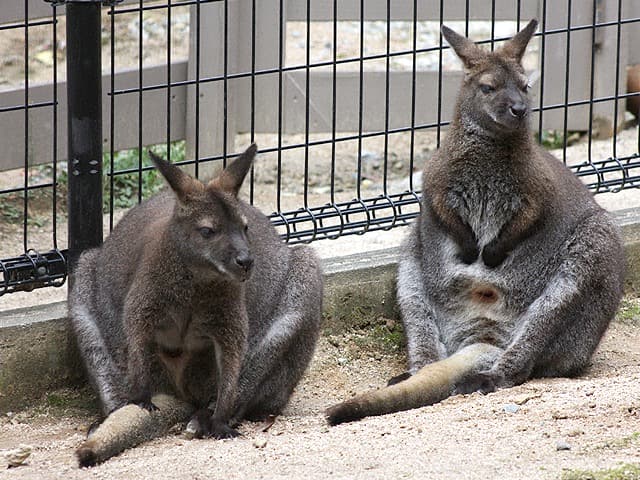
593 249
423 343
563 326
276 364
101 368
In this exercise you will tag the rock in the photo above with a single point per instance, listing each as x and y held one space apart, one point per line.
511 408
562 445
17 456
522 399
366 183
260 442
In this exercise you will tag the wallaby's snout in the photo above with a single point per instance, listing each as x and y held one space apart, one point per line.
244 261
239 262
518 109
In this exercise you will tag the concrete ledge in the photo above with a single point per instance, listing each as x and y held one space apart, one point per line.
38 353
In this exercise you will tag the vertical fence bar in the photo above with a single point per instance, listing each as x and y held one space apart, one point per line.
84 107
25 200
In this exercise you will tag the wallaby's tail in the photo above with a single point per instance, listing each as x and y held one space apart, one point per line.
130 426
431 384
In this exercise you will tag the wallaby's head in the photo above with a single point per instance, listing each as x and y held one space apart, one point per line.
208 226
494 96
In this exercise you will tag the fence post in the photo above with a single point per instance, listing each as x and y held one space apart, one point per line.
84 112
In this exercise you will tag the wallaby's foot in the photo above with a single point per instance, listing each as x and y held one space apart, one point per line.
398 378
203 425
94 426
147 404
221 430
483 382
199 425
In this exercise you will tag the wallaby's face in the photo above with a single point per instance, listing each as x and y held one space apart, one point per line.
494 95
211 232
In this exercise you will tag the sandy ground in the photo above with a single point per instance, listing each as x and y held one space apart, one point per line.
513 433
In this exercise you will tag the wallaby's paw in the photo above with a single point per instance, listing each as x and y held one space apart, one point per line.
469 255
398 378
199 425
493 257
483 382
222 430
148 405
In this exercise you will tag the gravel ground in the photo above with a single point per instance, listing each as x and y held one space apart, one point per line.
537 430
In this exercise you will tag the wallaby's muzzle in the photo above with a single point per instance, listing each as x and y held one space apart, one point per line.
244 263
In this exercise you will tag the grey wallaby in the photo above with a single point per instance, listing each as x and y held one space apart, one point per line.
511 271
193 295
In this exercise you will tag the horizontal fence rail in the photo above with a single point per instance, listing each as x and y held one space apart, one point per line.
345 99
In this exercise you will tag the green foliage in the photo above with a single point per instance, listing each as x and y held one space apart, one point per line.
629 311
381 335
128 180
624 472
10 210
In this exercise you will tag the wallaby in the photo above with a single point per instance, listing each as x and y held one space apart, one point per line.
511 271
193 295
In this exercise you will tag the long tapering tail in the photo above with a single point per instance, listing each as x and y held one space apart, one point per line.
431 384
129 426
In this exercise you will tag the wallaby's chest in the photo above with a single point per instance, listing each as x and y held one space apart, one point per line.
185 329
483 201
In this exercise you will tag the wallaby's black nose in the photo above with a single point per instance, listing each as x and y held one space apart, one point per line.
518 110
245 261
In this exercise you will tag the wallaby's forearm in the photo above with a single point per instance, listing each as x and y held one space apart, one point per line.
452 223
525 223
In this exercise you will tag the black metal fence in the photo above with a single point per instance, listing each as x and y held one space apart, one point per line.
345 99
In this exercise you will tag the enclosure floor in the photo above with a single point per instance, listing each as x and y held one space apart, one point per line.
464 437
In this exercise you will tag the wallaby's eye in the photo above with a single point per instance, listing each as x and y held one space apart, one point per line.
207 232
486 88
526 87
246 228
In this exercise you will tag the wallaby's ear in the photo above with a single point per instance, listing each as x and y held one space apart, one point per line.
180 182
515 47
469 52
231 178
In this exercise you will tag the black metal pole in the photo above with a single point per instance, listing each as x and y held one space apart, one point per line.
84 111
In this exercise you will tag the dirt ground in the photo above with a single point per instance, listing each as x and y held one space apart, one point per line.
543 429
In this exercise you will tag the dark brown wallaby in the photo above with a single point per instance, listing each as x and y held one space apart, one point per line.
193 295
511 271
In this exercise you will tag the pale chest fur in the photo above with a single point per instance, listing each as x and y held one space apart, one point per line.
484 201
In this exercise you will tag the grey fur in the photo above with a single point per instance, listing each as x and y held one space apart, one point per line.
181 299
510 248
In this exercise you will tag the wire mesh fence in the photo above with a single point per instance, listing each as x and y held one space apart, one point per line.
345 100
